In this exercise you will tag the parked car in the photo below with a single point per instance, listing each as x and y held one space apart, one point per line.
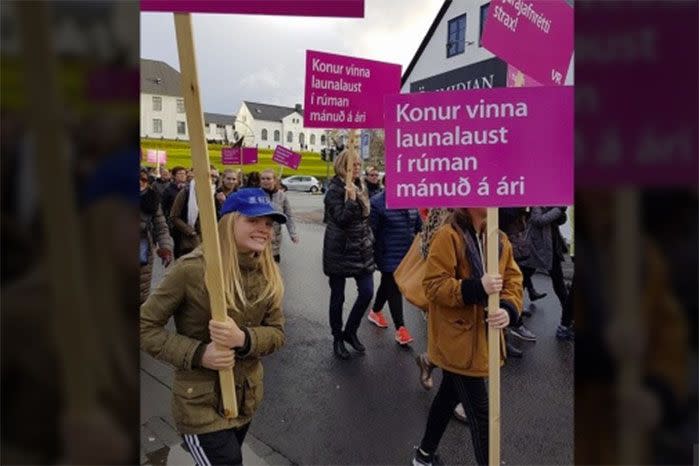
301 183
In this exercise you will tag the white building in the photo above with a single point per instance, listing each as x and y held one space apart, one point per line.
451 56
163 111
267 126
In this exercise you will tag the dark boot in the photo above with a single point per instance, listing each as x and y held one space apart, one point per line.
534 296
512 351
354 342
339 349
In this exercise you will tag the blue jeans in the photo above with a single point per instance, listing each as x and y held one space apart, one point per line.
365 291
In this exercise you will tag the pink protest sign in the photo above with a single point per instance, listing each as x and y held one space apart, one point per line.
480 148
239 155
156 156
347 92
286 157
535 36
336 8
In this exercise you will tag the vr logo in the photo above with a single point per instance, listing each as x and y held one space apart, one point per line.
556 76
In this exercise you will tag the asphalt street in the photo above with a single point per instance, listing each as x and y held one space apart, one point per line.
372 409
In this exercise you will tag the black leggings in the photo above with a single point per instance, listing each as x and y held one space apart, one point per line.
473 395
220 447
559 287
389 291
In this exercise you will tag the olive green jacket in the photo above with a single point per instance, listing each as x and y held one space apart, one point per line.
196 401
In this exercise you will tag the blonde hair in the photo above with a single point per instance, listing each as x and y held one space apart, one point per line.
270 170
340 165
233 287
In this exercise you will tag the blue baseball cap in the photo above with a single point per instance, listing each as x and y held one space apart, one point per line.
252 202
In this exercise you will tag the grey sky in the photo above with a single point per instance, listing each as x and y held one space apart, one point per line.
262 58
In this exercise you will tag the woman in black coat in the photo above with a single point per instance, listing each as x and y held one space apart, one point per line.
348 251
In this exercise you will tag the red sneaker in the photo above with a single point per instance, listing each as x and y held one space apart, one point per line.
377 319
403 336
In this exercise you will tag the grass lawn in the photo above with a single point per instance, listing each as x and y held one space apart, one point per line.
178 153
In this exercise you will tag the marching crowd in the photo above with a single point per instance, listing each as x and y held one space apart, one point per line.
361 237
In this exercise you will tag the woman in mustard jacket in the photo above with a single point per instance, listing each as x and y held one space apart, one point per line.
457 287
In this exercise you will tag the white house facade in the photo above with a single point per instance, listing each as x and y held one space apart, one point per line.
267 126
163 111
452 56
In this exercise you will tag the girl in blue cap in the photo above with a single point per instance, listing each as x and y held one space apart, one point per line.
254 328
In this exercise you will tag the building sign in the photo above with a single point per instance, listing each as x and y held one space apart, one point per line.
487 74
480 148
346 92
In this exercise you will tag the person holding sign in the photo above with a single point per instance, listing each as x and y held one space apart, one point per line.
457 288
254 328
348 249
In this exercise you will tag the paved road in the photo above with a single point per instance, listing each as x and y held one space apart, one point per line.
371 409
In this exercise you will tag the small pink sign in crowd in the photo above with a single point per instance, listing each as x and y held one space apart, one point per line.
536 36
480 148
346 92
339 8
239 155
156 156
286 157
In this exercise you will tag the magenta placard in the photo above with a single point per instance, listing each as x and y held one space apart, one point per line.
335 8
156 156
232 155
443 149
346 92
286 157
535 36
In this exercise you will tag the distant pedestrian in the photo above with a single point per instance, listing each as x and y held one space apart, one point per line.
348 250
162 182
199 346
270 184
179 182
253 180
184 218
154 231
373 183
546 252
457 288
229 185
394 231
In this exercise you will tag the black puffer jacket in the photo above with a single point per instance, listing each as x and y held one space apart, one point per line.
348 246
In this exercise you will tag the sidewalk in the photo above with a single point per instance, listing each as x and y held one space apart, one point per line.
160 443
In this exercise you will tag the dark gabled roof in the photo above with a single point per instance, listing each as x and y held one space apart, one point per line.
159 78
219 119
268 112
425 41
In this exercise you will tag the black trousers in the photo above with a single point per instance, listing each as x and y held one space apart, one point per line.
559 287
389 292
222 447
365 291
472 393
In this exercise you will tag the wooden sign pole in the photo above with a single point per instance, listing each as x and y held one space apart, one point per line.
627 246
213 276
349 162
493 343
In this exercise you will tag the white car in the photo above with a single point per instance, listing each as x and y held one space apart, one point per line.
301 183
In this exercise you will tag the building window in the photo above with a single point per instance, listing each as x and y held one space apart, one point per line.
322 139
313 139
484 15
264 135
181 127
302 139
157 125
456 36
277 135
289 137
180 105
157 103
